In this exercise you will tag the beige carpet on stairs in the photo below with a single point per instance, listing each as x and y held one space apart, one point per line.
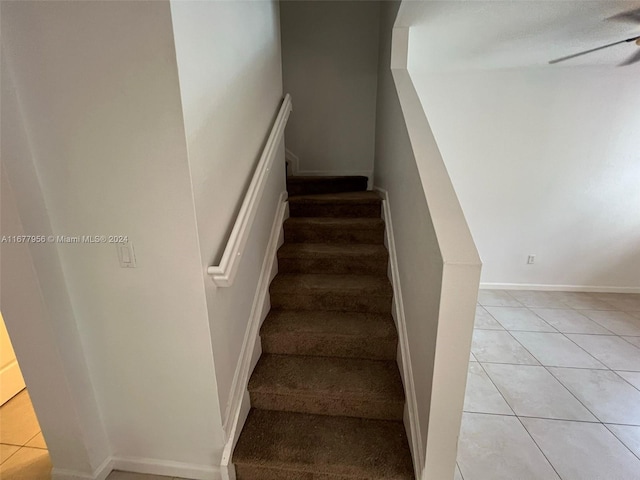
326 395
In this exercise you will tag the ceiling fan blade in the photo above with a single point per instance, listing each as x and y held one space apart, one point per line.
569 57
632 16
635 58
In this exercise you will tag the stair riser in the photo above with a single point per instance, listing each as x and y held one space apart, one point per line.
344 265
320 187
338 407
330 346
334 210
251 472
332 302
296 234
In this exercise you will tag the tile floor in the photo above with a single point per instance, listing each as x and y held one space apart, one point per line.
23 452
553 390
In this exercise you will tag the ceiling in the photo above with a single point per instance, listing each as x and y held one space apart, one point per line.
472 34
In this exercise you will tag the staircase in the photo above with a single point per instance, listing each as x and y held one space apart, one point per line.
326 395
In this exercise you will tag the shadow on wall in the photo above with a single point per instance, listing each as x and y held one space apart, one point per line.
230 98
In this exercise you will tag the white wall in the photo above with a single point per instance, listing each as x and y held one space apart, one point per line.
546 161
98 86
330 63
56 374
37 309
229 65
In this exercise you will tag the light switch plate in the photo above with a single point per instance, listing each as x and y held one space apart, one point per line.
126 255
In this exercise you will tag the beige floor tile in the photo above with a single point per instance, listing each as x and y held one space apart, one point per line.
27 464
18 422
499 347
580 451
621 301
556 350
603 392
497 298
37 442
615 352
533 392
482 396
496 447
570 321
634 340
628 435
620 323
582 301
6 451
485 321
632 377
530 298
521 319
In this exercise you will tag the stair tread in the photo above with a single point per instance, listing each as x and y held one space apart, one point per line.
356 447
317 283
327 377
347 324
340 222
332 250
365 197
314 179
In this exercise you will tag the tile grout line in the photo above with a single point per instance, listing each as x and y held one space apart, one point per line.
539 448
547 369
596 422
559 381
516 416
520 421
619 439
575 396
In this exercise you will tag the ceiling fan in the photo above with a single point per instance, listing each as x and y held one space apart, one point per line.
631 16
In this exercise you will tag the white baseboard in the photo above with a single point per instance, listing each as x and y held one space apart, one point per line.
153 466
251 348
558 288
150 466
100 473
404 359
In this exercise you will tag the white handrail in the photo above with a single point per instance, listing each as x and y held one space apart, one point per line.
224 273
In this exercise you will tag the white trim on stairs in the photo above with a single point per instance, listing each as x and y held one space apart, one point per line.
239 406
404 359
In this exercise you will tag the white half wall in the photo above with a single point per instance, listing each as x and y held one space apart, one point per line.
438 268
330 64
97 83
228 56
546 162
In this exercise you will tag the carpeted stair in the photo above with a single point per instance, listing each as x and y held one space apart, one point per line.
326 395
